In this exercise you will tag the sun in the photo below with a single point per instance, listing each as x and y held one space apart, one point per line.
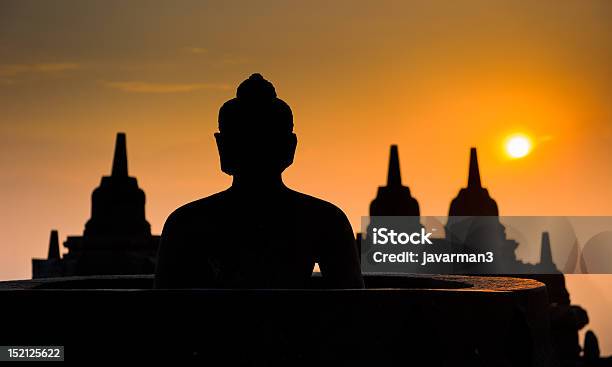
518 146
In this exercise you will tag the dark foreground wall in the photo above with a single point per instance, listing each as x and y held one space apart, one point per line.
399 320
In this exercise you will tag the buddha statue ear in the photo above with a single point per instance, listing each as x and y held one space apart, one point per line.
289 152
226 158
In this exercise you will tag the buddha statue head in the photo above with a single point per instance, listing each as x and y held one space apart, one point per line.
255 137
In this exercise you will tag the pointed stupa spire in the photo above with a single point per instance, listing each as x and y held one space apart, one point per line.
54 252
474 175
120 168
394 176
395 199
473 200
545 250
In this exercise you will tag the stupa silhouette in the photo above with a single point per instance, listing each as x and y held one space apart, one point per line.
117 238
473 226
473 199
394 198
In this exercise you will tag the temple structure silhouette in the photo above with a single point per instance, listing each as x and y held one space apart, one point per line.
117 238
473 225
473 222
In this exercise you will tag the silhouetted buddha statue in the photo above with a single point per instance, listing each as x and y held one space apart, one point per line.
258 233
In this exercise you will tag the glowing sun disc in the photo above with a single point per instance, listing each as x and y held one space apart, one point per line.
518 146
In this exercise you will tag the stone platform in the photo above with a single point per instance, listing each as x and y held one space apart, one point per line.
397 320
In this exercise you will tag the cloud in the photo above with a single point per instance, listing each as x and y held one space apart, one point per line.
12 70
196 50
146 87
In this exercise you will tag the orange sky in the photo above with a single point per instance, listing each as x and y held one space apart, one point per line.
435 77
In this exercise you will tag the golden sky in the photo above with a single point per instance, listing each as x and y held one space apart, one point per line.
434 77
